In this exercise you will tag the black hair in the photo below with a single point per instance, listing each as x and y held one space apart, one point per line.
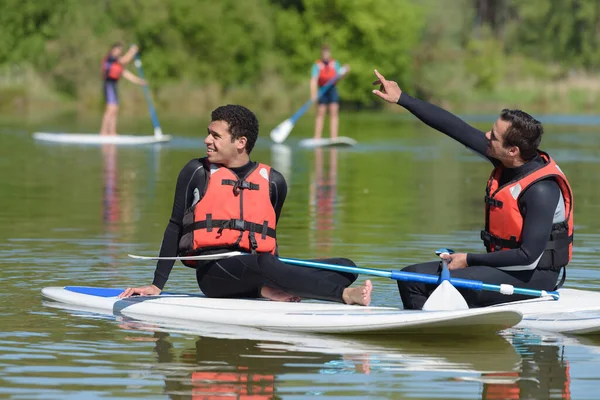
242 122
524 131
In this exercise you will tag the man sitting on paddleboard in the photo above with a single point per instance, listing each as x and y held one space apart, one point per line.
112 70
528 206
225 202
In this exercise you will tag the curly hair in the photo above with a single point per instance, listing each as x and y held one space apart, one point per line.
524 132
242 122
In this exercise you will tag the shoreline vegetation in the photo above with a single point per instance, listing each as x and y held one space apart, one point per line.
471 56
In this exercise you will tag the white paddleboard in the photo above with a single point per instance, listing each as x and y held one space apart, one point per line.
89 138
298 317
341 141
575 312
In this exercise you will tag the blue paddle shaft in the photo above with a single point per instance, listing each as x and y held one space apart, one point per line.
153 115
417 277
320 94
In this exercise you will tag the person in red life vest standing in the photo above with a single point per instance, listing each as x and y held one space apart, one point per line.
225 202
323 70
112 70
528 206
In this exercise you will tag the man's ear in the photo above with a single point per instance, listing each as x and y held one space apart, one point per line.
241 143
514 151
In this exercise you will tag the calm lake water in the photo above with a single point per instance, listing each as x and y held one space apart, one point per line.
71 214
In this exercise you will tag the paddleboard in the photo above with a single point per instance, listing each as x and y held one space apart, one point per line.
89 138
341 141
575 312
314 317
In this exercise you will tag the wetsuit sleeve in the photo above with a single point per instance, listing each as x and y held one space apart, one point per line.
278 191
447 123
191 176
538 205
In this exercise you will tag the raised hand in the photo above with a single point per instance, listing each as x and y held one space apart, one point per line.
388 90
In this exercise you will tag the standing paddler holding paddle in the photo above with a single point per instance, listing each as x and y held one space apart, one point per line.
225 202
528 206
113 67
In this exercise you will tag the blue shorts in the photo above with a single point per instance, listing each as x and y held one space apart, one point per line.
330 96
110 92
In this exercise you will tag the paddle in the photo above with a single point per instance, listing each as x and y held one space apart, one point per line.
445 296
157 131
282 131
396 275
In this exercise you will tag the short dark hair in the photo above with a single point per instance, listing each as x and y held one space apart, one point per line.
524 131
242 122
325 47
116 44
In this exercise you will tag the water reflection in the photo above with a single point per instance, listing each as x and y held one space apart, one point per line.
322 199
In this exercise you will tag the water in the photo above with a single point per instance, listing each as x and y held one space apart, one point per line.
71 214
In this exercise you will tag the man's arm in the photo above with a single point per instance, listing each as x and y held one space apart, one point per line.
539 205
314 82
278 191
191 176
129 55
437 118
131 77
447 123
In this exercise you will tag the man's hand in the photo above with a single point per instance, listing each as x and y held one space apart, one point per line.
455 261
149 290
388 90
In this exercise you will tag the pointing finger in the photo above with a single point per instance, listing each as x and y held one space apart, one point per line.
379 76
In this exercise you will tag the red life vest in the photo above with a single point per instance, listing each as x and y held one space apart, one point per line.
111 69
233 214
326 71
504 222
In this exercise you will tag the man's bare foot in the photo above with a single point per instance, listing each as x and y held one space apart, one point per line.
278 295
360 295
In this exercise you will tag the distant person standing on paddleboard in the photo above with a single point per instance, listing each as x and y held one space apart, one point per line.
324 70
528 231
112 70
225 202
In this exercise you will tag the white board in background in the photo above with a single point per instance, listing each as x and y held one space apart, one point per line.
341 141
90 138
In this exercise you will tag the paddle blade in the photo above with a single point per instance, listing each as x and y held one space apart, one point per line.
445 297
281 131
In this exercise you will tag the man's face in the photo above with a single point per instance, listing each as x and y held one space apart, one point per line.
219 147
495 138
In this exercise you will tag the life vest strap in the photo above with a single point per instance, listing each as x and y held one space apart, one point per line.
494 242
236 224
240 185
559 243
493 202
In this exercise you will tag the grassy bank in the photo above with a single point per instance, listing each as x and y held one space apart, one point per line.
24 93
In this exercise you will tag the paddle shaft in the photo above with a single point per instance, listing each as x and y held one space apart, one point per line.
423 278
320 94
153 116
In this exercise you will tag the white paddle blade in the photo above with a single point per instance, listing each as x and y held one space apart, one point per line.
200 257
282 131
445 297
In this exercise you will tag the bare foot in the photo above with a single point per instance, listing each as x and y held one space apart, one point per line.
278 295
360 295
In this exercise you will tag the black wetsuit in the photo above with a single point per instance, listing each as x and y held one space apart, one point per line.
244 276
537 204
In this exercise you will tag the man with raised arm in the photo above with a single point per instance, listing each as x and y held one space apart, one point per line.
528 207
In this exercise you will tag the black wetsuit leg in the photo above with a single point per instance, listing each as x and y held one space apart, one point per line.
244 276
415 294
